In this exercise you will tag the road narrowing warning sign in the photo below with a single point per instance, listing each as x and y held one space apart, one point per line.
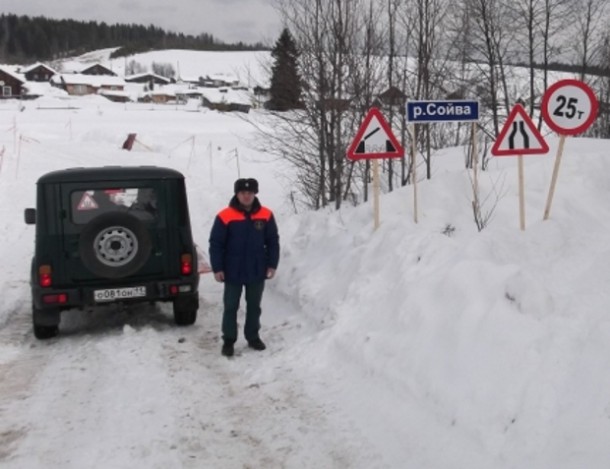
519 136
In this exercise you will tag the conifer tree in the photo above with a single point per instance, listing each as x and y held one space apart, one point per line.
286 82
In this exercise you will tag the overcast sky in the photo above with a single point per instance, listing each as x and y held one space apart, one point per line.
227 20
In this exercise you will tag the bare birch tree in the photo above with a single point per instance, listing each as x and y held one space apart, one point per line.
424 19
556 16
601 126
366 76
492 37
327 33
589 24
392 18
539 27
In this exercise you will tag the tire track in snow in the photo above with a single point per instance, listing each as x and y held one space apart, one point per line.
255 412
20 360
125 388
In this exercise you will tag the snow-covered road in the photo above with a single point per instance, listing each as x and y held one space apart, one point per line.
126 388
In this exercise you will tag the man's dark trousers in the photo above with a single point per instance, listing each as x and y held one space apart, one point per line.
231 297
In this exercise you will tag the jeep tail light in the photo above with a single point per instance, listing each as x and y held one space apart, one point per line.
44 276
178 289
61 298
186 264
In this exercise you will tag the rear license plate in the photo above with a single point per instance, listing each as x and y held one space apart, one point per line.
117 294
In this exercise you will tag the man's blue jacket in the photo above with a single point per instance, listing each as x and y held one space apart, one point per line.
244 244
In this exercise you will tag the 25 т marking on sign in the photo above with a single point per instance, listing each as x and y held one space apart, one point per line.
569 107
570 103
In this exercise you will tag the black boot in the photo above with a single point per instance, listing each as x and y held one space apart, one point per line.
257 344
227 349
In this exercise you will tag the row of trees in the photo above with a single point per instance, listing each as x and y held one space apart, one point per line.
26 39
350 51
163 69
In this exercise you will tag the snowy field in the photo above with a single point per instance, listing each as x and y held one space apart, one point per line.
416 346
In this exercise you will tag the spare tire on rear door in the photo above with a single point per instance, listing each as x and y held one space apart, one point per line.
114 245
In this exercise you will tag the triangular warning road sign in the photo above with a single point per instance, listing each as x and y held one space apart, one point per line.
87 202
374 139
519 136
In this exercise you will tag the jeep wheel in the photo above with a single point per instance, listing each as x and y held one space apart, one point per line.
114 245
45 332
185 310
45 322
185 318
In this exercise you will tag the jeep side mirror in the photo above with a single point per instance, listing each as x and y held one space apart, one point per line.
30 216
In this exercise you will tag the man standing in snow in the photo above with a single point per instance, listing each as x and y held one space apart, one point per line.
244 252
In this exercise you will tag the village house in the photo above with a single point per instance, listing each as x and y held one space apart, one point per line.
148 78
162 95
261 95
159 96
11 84
97 69
226 99
333 104
184 95
178 93
189 80
393 97
77 84
38 72
218 81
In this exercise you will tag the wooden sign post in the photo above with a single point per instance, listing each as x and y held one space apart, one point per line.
549 199
521 193
414 171
376 192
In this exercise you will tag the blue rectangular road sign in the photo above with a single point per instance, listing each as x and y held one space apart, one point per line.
442 111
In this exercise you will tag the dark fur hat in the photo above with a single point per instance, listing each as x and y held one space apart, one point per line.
249 184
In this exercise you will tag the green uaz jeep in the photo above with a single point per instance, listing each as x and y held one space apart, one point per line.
111 234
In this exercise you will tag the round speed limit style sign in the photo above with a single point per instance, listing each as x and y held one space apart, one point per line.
569 107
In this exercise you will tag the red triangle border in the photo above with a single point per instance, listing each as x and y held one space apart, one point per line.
374 112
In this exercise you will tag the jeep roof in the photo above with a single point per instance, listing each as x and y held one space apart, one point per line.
106 173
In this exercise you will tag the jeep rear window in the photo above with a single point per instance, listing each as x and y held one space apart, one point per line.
85 205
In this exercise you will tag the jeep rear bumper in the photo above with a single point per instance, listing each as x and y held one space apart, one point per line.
65 298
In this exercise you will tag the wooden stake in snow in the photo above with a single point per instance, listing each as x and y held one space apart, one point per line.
376 190
549 199
414 171
521 194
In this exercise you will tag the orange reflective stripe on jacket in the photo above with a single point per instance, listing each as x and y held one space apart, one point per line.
230 214
263 214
